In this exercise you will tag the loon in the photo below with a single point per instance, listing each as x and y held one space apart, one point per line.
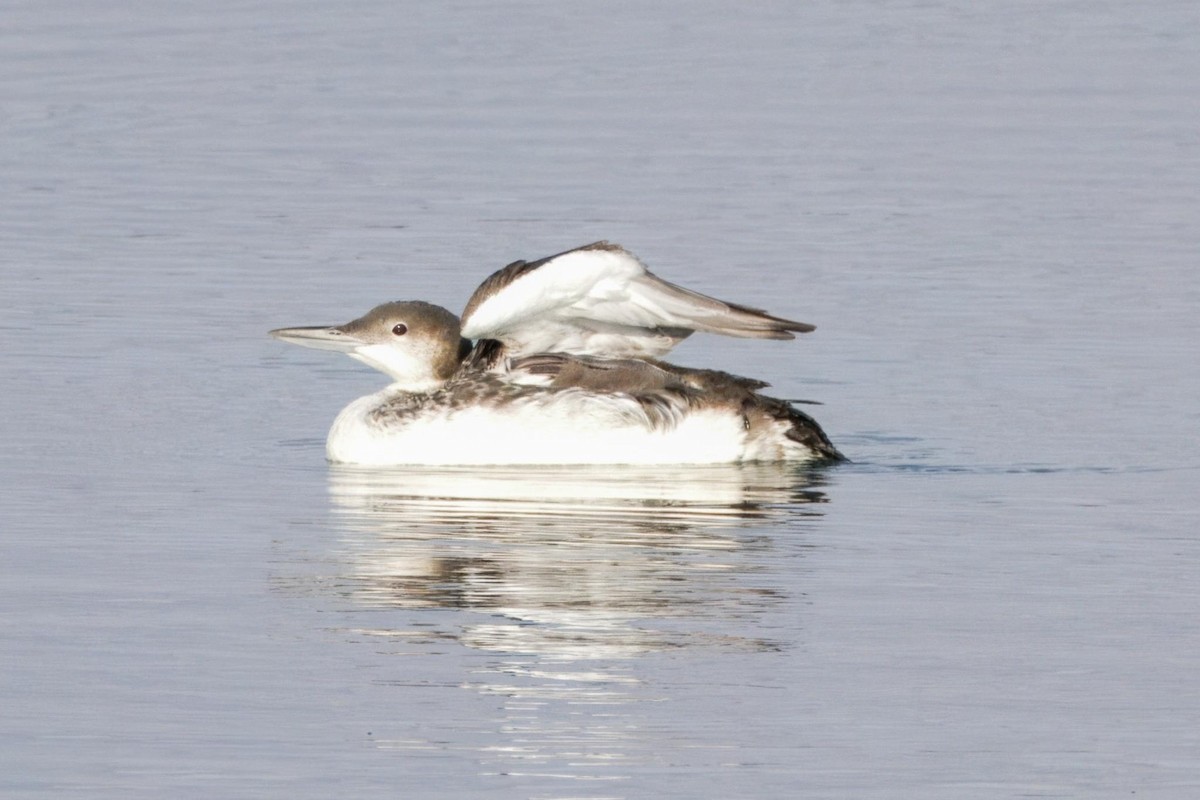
556 361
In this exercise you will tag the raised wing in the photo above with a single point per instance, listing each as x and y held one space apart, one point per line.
600 300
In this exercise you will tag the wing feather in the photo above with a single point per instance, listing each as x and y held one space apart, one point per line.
601 300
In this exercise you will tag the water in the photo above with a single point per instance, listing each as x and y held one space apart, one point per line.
991 214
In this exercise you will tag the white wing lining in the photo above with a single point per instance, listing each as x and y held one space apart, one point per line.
601 300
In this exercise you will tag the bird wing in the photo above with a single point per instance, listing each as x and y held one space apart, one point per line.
600 300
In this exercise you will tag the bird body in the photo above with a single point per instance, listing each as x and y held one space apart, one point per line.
555 362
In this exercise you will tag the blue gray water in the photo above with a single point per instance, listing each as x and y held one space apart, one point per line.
990 211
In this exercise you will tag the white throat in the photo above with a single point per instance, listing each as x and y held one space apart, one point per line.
410 373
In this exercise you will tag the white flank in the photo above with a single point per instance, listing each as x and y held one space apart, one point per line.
536 434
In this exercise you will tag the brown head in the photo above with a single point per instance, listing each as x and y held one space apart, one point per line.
416 343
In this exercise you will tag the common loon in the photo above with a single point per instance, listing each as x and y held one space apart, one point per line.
555 361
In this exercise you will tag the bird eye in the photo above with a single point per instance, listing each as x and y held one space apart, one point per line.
400 329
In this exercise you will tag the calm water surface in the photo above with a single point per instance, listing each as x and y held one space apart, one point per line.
992 216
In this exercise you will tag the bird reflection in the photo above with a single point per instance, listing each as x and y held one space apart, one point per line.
592 562
557 584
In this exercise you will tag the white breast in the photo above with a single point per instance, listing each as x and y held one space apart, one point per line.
588 430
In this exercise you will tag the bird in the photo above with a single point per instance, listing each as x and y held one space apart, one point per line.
558 361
